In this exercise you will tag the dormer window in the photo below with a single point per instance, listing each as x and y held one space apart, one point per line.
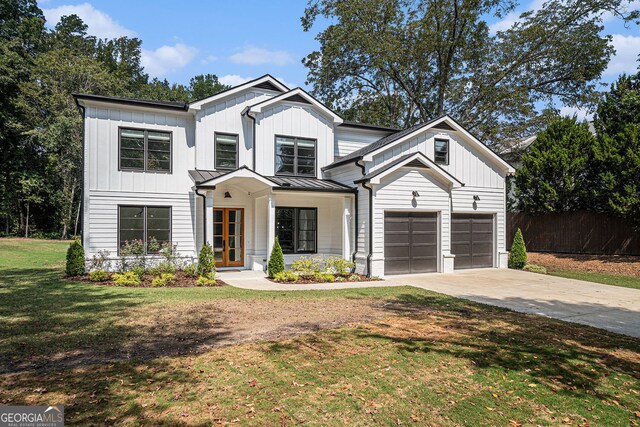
295 156
226 151
441 151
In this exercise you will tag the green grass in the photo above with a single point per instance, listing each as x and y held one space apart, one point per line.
434 360
607 279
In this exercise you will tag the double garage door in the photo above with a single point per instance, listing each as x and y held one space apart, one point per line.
411 241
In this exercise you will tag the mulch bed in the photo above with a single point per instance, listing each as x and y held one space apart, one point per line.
307 281
625 265
181 280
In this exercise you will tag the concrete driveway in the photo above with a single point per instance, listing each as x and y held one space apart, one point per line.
608 307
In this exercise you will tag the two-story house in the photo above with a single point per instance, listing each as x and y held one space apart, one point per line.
259 160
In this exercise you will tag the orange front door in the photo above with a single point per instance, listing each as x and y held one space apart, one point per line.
228 237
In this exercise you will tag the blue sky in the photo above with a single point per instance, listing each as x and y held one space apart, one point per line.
245 39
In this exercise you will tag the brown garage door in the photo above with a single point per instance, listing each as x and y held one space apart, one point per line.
410 242
472 240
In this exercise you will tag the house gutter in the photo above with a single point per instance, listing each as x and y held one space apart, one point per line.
245 112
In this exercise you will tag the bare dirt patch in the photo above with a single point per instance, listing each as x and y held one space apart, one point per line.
165 330
613 264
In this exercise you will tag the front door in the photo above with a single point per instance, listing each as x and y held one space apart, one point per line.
228 237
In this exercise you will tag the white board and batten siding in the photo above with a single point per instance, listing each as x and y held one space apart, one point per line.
224 116
348 139
109 187
294 120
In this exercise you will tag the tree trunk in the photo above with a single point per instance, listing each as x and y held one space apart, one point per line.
26 227
75 229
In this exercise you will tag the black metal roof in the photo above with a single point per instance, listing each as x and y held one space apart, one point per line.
358 154
348 123
402 159
170 105
283 183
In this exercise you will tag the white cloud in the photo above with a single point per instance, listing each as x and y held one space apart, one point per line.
286 83
166 59
233 79
209 59
251 55
626 58
100 24
512 17
580 113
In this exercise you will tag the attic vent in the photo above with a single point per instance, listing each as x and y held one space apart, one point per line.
268 86
416 164
443 125
297 98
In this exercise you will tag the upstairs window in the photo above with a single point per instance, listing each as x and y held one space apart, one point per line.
145 150
296 229
295 156
226 151
441 151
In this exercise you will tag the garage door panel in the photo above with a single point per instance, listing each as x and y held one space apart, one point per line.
472 240
411 242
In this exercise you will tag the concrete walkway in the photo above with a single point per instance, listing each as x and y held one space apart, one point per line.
612 308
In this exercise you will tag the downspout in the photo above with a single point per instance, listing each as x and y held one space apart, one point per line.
245 112
357 227
370 255
204 215
83 109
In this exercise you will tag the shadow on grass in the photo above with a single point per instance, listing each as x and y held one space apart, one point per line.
52 323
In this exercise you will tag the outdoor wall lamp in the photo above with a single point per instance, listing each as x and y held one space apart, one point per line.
227 195
416 194
476 198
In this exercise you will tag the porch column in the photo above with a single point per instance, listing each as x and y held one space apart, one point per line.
271 223
209 217
346 228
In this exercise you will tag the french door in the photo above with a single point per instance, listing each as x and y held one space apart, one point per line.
228 237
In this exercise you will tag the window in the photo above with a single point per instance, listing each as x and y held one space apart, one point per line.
296 229
226 151
295 156
148 227
441 151
145 150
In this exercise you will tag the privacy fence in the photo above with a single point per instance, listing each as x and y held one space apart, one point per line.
574 232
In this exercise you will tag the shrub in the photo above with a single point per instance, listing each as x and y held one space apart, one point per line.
98 276
324 277
163 280
206 262
169 252
338 266
100 261
276 260
190 270
307 267
161 268
533 268
285 276
132 247
75 259
354 278
205 281
126 279
138 270
518 253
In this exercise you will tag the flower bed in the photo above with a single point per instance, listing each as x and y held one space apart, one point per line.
180 280
317 270
303 280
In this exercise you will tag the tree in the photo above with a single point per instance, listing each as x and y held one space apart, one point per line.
418 59
616 152
75 259
276 260
205 85
518 253
554 176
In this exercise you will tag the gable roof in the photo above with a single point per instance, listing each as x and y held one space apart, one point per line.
370 150
295 95
168 105
266 82
360 125
408 160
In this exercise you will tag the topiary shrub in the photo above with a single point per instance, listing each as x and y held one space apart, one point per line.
518 253
533 268
75 259
98 276
163 280
206 262
276 260
126 279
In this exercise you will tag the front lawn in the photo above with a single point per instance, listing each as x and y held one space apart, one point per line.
607 279
378 356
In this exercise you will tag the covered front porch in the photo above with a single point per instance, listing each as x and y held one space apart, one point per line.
240 213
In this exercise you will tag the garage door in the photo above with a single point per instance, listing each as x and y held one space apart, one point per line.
472 240
410 242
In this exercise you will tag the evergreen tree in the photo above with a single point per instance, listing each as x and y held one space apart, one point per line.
75 259
518 252
276 260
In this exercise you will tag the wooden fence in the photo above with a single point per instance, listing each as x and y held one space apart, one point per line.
574 232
